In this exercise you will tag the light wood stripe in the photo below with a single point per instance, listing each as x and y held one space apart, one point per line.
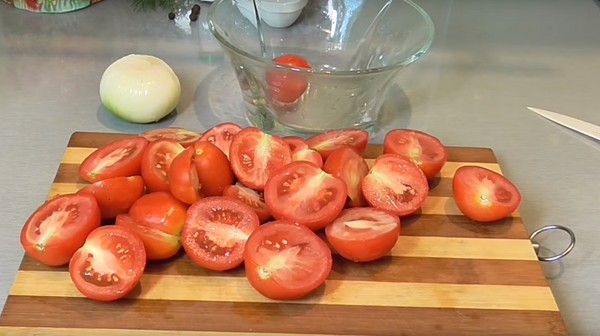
75 155
18 331
352 293
450 167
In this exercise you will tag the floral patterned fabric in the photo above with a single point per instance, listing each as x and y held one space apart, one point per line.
51 6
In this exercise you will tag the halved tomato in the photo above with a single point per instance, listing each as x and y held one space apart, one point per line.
183 177
425 150
363 234
395 184
213 168
110 264
118 158
484 195
303 193
255 156
221 135
160 210
215 232
286 261
301 151
181 135
59 227
251 197
347 164
327 142
115 195
157 244
156 162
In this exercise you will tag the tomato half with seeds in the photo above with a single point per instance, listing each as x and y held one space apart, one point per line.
213 168
363 234
484 195
116 195
59 227
221 135
327 142
301 151
253 198
121 157
255 156
425 150
215 232
286 261
183 177
158 244
160 210
287 85
395 184
156 162
303 193
109 265
180 135
347 164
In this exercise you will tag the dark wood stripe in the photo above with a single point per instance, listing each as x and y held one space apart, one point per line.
462 227
275 317
387 269
68 173
94 139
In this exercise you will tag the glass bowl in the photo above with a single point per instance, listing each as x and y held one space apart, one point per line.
355 48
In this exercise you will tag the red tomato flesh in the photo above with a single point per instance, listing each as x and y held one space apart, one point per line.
156 161
160 210
347 164
157 244
183 177
110 264
215 232
115 195
484 195
59 227
327 142
363 234
118 158
423 149
286 261
395 184
251 197
180 135
221 135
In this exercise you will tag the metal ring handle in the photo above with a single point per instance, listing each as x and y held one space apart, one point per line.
552 228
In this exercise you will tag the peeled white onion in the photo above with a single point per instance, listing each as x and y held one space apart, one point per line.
140 88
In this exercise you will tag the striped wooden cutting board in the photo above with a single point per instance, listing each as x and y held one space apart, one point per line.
446 276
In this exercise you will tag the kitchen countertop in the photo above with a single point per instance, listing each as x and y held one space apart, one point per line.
489 60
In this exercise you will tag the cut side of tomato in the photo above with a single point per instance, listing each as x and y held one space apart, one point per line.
110 264
327 142
286 261
215 232
157 244
118 158
183 177
221 135
180 135
56 229
255 156
115 195
160 210
395 184
251 197
213 168
156 162
347 164
484 195
423 149
301 151
363 234
303 193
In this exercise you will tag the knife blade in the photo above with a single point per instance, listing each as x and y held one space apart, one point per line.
575 124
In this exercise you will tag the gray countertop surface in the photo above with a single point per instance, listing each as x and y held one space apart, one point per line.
489 60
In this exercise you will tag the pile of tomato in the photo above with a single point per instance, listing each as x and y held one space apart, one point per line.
236 196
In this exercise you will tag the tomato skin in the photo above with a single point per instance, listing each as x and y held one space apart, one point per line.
115 195
303 193
363 234
118 158
255 156
156 161
157 244
484 195
105 246
395 184
327 142
213 168
221 135
301 151
215 232
308 260
347 164
286 85
183 177
251 197
181 135
160 210
423 149
74 216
